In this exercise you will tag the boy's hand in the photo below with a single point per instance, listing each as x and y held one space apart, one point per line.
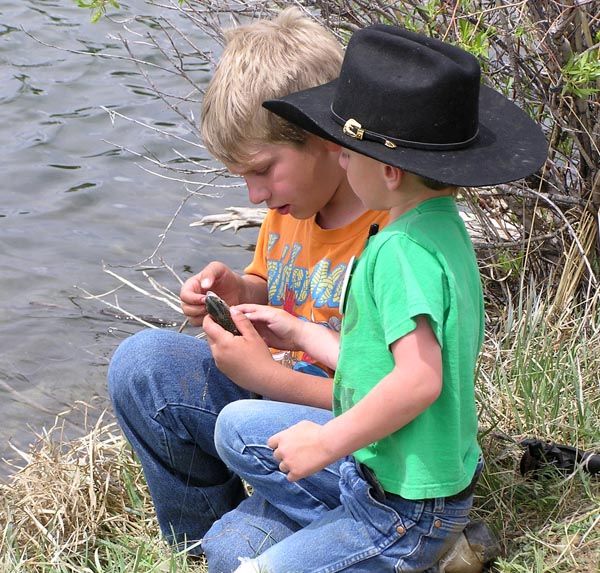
216 277
278 328
243 358
301 450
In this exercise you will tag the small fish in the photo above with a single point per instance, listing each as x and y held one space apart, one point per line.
219 312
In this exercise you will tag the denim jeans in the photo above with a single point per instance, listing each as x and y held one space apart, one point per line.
166 393
346 525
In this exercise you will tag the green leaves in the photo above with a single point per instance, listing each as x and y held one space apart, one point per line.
581 74
97 7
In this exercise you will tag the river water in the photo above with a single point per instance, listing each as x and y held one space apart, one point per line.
74 194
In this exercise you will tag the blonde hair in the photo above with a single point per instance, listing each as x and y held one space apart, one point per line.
263 60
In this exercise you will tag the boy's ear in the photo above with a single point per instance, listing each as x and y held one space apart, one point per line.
392 176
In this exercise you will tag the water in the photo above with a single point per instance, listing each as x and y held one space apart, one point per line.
70 200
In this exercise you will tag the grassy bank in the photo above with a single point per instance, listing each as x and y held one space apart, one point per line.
83 505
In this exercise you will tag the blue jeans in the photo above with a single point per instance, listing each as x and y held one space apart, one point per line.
166 393
345 524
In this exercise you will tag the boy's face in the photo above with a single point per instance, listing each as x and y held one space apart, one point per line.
293 179
366 177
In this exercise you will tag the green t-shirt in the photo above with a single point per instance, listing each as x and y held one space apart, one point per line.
423 263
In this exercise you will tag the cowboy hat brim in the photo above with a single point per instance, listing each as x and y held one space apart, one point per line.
509 145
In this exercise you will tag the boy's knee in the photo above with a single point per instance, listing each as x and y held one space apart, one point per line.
134 348
131 357
241 434
228 432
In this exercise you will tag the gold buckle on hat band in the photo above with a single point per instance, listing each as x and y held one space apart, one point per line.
354 129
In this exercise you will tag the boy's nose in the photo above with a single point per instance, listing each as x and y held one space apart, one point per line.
257 193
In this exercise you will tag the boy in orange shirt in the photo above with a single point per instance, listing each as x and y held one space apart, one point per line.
165 387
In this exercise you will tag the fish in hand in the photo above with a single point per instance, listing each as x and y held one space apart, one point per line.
219 312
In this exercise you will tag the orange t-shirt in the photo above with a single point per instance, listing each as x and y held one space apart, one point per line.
304 265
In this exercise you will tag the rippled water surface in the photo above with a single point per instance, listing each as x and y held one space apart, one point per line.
70 199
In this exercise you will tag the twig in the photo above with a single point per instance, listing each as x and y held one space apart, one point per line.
113 113
91 296
133 286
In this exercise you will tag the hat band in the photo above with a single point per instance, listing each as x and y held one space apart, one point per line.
354 129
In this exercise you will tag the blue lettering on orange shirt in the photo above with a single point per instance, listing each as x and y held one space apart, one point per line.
323 285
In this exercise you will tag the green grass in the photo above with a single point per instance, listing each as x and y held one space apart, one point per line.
539 378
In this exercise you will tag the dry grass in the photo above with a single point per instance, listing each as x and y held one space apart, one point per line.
69 494
80 505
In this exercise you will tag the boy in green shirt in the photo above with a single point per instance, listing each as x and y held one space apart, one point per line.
401 451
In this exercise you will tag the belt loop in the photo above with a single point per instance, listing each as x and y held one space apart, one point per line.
439 504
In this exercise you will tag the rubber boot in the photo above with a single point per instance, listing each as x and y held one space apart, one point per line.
476 547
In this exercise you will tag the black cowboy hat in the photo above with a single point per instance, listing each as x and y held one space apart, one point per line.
417 103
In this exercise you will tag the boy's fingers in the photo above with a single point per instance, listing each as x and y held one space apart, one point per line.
193 314
273 441
242 322
193 310
254 312
207 277
211 274
193 291
247 307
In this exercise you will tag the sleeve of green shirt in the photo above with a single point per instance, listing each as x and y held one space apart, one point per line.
408 281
